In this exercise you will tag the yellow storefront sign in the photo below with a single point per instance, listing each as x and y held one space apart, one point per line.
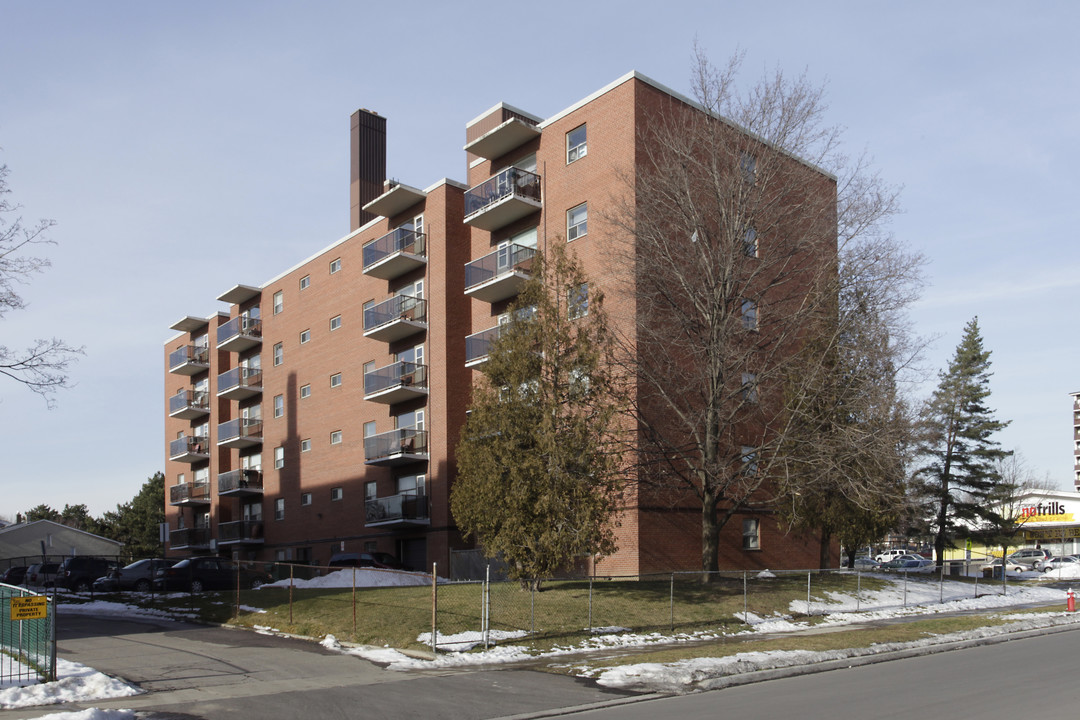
29 608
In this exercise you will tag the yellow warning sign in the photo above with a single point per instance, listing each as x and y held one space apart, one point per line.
29 608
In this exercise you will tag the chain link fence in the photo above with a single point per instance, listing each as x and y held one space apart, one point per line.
27 637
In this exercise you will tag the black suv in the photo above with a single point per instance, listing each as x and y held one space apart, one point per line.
79 573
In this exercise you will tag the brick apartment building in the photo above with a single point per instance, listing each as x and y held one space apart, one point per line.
319 412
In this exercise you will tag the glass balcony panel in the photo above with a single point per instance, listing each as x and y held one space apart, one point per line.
190 494
240 433
407 508
506 197
189 404
239 383
396 383
478 345
396 447
396 318
240 482
190 449
189 538
189 360
499 275
240 531
239 334
394 254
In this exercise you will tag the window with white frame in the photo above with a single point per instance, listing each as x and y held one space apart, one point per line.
335 323
577 221
279 406
335 380
279 458
305 391
751 534
369 491
279 354
750 243
305 499
336 494
749 389
577 301
335 265
305 336
576 147
335 437
305 445
279 302
749 315
749 460
305 282
279 509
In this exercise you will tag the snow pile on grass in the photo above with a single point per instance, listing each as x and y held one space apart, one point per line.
364 577
76 682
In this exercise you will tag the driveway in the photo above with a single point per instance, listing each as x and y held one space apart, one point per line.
193 671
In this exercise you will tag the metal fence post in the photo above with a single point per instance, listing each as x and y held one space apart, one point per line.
671 611
808 574
532 608
485 607
858 590
434 608
354 603
745 608
941 585
590 604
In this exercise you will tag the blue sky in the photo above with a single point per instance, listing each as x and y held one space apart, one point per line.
183 148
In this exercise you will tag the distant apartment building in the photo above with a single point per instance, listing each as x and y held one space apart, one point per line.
318 412
1076 439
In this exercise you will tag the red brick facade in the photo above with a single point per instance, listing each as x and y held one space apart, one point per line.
325 316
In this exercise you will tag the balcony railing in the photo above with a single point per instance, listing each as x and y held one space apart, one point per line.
396 447
396 318
402 509
189 449
189 404
240 531
396 383
239 334
189 538
395 253
478 345
197 493
240 482
189 360
239 383
240 433
499 275
509 196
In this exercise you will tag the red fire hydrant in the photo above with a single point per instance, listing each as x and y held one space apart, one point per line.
1070 601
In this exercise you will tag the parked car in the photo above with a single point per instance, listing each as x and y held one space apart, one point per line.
886 555
1031 557
1056 563
994 568
866 563
382 560
41 574
79 573
207 573
910 563
14 575
138 576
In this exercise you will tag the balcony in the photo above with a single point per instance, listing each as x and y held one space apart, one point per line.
396 383
403 509
397 447
396 199
240 483
189 360
395 253
240 531
189 404
511 134
190 538
189 449
239 383
190 494
478 345
239 334
509 196
499 275
397 318
240 433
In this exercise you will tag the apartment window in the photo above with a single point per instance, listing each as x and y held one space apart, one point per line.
335 323
305 282
749 315
335 494
335 437
305 445
748 165
575 144
749 460
305 336
279 458
279 302
279 509
749 387
369 491
335 380
577 221
577 301
369 429
279 406
279 354
335 265
305 499
751 534
305 391
750 245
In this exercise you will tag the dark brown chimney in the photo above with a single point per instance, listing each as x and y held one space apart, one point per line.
368 161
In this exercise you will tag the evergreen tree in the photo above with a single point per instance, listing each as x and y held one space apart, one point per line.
959 475
136 523
537 473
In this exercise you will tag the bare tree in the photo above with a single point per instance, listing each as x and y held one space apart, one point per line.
740 214
43 366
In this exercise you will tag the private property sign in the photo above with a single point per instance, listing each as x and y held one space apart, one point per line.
29 608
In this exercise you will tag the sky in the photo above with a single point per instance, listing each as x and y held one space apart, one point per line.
183 148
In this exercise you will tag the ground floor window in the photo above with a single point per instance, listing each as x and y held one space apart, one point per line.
751 534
